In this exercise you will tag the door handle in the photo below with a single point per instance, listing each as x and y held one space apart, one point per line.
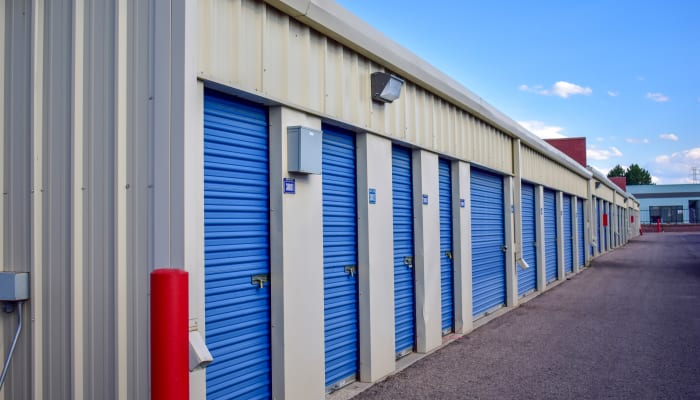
408 260
504 248
350 270
448 254
260 280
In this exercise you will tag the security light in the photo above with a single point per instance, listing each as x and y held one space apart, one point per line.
385 87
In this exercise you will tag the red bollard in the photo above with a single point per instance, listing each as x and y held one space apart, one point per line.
658 226
170 375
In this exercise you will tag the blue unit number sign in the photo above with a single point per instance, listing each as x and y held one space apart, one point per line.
289 185
372 196
425 199
461 203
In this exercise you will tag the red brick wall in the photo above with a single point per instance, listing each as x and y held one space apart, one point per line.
572 147
620 181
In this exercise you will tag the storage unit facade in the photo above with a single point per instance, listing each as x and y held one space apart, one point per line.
161 140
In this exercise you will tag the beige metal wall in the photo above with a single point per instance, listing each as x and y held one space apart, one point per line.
253 47
603 191
76 201
542 170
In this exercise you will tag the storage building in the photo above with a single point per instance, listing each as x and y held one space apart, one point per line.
328 229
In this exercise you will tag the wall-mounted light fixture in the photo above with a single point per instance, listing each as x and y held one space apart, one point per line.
597 185
386 87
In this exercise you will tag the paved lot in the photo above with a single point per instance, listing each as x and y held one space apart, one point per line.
626 328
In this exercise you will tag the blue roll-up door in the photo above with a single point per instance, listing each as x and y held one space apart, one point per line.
527 278
598 225
446 270
550 235
404 290
581 233
606 212
236 248
568 236
339 257
488 241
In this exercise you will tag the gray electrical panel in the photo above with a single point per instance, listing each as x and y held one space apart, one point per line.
14 286
304 150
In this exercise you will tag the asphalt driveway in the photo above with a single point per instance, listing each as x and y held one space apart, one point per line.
626 328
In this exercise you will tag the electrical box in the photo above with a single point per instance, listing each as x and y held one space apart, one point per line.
304 150
14 286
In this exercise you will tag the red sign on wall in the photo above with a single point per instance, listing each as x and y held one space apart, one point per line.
605 219
632 218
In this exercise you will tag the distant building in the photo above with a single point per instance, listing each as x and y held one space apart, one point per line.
672 204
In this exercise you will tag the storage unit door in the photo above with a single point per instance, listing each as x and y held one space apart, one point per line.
446 271
404 291
488 242
550 235
581 233
339 257
598 225
568 236
606 228
527 278
236 248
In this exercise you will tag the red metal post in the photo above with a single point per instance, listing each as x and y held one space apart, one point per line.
658 225
169 335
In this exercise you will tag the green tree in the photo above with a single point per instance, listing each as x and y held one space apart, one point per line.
616 171
637 175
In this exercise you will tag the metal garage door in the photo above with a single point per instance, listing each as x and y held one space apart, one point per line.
236 248
581 233
568 236
550 235
598 224
527 278
339 257
446 271
606 226
404 291
488 242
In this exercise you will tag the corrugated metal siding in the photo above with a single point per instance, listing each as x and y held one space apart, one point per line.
339 252
69 141
527 278
550 234
236 247
488 239
404 281
446 268
604 192
254 47
540 169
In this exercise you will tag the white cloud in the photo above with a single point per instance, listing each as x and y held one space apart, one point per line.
657 97
613 94
561 89
600 139
595 153
669 136
543 131
637 141
676 167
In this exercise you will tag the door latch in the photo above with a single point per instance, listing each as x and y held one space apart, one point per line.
448 254
260 280
408 260
504 248
350 270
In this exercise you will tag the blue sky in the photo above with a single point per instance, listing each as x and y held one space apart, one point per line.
624 74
